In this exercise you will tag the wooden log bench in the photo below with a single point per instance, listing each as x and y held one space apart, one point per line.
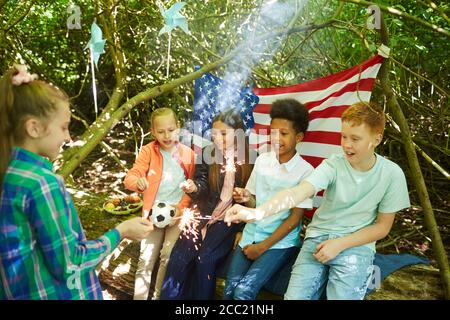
418 282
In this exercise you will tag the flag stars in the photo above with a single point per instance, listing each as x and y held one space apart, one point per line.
213 95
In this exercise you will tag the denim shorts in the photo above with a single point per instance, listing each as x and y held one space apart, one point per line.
345 277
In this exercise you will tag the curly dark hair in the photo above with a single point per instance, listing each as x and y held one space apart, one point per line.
292 110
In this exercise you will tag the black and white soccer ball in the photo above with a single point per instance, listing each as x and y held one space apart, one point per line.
162 214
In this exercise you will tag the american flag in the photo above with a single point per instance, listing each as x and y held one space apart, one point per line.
326 99
214 95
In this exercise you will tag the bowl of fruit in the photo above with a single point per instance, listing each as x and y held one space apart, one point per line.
123 205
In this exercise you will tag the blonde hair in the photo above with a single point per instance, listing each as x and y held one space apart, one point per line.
18 103
368 113
162 112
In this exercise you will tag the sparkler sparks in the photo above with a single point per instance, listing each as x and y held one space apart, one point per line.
190 217
189 222
230 166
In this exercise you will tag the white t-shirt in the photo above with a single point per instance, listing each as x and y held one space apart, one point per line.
267 179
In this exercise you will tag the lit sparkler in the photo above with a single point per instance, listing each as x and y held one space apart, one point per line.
230 166
189 222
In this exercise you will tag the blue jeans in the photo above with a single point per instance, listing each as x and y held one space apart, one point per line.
246 277
191 271
345 277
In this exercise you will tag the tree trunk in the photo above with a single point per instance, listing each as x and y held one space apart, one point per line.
413 161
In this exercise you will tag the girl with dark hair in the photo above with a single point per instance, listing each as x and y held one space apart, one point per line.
191 272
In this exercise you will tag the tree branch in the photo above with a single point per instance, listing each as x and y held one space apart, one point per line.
11 24
402 14
100 128
416 172
421 77
422 153
435 7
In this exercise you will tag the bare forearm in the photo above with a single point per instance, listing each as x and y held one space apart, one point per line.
364 236
286 199
284 229
329 249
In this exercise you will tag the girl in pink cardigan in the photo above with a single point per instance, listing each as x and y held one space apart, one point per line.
157 173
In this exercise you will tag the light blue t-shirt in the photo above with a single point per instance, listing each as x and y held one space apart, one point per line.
353 199
172 175
268 177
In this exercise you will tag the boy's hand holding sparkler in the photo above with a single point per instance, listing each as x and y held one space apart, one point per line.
188 186
239 213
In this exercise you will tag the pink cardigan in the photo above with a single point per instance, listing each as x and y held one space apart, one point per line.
150 160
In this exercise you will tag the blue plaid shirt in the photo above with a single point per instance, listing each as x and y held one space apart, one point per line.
44 253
